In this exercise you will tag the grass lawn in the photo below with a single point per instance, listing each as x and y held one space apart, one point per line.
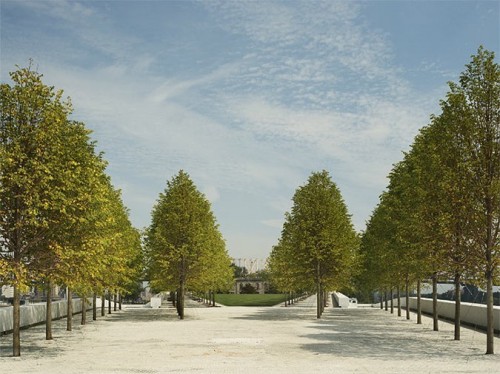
250 299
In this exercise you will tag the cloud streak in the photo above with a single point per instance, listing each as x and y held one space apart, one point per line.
249 99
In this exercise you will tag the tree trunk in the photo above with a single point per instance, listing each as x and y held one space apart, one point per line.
419 303
392 301
457 306
318 290
115 301
48 312
84 309
182 287
109 302
16 315
177 302
181 300
103 305
381 296
399 301
407 286
489 277
386 305
434 303
489 314
94 307
318 300
213 298
119 301
69 310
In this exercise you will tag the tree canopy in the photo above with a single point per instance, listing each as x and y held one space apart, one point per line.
60 218
440 215
185 248
318 245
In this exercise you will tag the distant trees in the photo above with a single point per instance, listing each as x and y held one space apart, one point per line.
318 245
55 200
440 216
184 247
239 271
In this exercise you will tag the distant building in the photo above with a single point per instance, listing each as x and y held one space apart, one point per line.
250 285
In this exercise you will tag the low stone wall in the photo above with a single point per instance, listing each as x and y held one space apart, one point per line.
340 300
35 313
470 313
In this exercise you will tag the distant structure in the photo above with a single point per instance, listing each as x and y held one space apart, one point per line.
250 283
252 265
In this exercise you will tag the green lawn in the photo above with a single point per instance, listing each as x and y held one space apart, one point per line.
250 299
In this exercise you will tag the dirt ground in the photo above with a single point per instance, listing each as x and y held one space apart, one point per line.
250 340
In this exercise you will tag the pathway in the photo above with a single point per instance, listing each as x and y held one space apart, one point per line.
251 340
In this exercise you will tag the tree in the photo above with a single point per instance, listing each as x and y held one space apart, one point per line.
318 240
451 177
59 215
477 97
239 271
217 273
184 246
68 257
33 196
376 252
284 270
464 144
450 224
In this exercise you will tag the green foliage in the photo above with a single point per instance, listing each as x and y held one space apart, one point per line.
239 271
318 244
184 245
61 221
247 288
432 208
33 193
440 214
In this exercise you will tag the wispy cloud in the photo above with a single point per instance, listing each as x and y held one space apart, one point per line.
241 122
71 11
292 88
275 223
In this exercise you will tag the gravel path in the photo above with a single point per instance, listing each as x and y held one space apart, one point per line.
251 340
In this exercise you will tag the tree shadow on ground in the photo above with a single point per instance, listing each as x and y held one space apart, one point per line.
368 333
141 315
278 314
33 342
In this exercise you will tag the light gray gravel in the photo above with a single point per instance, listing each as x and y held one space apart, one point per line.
251 340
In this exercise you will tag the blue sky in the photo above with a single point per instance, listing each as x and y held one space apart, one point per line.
249 97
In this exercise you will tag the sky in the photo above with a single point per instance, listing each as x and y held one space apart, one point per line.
249 97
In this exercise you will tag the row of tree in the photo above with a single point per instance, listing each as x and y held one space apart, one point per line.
61 220
184 247
318 247
439 218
